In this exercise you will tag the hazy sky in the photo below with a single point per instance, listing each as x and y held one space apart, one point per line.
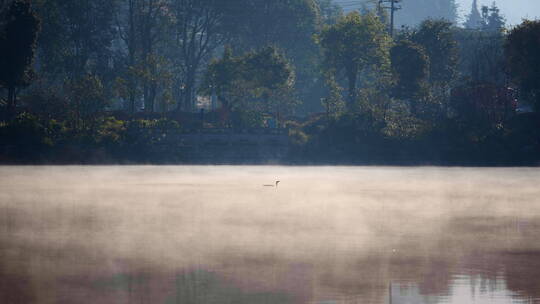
513 10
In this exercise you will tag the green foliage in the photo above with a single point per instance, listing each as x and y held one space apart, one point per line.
522 48
298 138
152 72
333 103
374 100
437 39
110 131
257 80
494 20
286 24
410 65
266 70
87 100
31 138
353 45
76 36
402 124
437 93
150 131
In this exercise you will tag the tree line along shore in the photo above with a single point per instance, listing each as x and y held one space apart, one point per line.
195 81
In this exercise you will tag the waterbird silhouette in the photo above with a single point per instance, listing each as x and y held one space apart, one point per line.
277 183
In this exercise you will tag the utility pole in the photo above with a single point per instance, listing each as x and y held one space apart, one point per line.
393 8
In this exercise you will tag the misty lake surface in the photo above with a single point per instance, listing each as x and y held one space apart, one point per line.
215 234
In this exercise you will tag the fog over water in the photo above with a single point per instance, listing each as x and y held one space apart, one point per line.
217 235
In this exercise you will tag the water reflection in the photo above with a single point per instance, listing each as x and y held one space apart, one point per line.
463 289
203 235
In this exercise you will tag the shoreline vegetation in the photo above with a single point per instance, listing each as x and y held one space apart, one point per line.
209 83
163 142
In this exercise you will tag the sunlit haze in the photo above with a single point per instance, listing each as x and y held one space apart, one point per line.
159 234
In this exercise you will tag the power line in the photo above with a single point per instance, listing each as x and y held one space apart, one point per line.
391 5
393 8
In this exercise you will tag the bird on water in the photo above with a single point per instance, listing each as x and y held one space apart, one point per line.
277 183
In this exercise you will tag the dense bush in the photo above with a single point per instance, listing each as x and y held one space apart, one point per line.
31 138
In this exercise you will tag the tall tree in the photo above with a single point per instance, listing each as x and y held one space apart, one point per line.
522 49
143 26
77 36
289 25
474 19
437 38
493 19
354 44
197 32
257 80
17 48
